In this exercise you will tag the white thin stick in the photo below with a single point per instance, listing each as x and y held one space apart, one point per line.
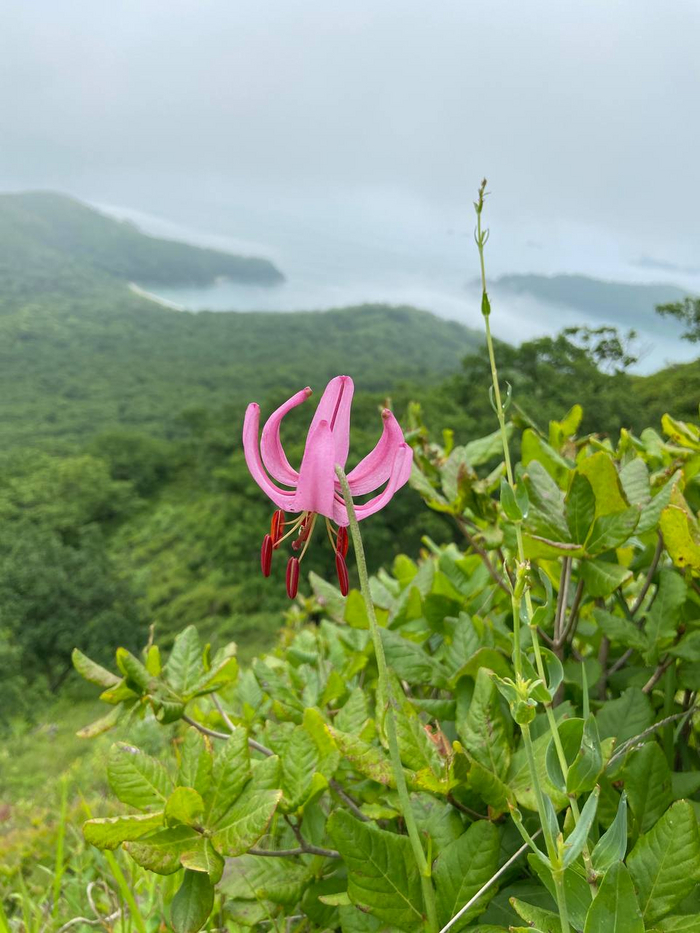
484 888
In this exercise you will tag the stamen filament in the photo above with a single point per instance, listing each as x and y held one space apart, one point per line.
291 531
314 516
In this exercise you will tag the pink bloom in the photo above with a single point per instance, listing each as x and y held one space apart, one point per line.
314 488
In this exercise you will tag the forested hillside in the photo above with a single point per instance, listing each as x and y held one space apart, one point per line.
53 244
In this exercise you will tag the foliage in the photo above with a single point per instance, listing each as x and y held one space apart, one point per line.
288 755
687 312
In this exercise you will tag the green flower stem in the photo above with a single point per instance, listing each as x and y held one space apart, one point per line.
424 867
481 238
551 844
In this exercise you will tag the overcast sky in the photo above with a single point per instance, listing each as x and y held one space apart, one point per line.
579 112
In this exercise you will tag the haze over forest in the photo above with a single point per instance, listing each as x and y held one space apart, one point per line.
345 145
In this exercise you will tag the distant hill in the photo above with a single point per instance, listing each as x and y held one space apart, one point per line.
53 244
619 303
71 369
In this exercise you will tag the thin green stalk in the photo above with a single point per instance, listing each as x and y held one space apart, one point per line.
125 890
424 867
4 924
481 238
58 871
123 886
550 843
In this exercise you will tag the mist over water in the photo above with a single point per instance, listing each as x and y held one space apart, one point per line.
381 248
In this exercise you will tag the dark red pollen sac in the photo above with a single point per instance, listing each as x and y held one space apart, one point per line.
292 577
342 571
277 526
266 555
341 546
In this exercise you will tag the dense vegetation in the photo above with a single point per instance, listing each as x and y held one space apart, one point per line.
127 516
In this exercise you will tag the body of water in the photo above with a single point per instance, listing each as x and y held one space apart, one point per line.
350 253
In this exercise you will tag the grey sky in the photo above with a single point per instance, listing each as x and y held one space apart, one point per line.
582 113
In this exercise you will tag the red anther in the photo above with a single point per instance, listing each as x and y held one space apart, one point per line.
297 543
342 542
266 555
292 577
342 570
277 526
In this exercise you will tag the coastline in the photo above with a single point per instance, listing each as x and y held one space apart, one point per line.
150 296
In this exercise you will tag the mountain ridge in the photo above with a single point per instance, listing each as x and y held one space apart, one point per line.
52 243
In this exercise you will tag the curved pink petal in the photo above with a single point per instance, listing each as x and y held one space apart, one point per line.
334 408
374 470
281 497
273 454
316 486
400 472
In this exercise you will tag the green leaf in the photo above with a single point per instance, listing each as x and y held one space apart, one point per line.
483 449
485 731
680 537
665 863
133 669
634 477
570 735
612 845
196 762
662 619
576 889
462 868
603 578
110 832
246 821
367 759
509 502
418 751
600 470
612 530
410 662
615 909
230 772
620 631
546 515
625 717
536 917
647 779
580 508
185 667
192 904
588 764
92 671
520 781
689 923
265 878
354 714
382 873
299 761
161 851
579 837
102 725
136 778
204 857
184 805
492 790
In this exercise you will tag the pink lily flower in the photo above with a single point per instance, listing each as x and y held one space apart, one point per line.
314 488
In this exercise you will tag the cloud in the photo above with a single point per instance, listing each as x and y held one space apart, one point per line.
579 113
